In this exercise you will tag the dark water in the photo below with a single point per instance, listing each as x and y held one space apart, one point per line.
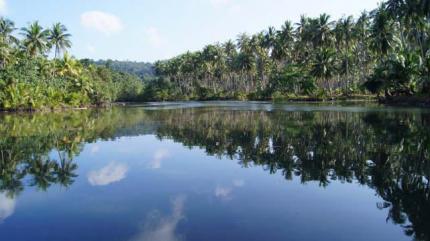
216 171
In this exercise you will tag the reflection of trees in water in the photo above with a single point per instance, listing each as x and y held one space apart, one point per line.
42 146
389 152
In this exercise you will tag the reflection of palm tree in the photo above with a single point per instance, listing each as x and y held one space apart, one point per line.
42 170
323 147
65 171
10 179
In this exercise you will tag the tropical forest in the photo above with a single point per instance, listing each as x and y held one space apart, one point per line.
38 73
383 53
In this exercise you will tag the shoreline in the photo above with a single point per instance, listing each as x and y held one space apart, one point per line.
401 101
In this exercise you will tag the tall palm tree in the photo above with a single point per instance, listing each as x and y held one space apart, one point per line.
322 27
284 42
269 39
60 39
382 31
35 39
344 37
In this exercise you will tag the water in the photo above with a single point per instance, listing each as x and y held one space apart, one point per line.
216 171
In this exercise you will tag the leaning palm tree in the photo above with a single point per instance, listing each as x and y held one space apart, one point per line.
59 38
6 29
35 39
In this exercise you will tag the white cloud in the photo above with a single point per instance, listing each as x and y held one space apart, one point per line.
158 157
7 207
158 228
3 7
108 174
154 37
103 22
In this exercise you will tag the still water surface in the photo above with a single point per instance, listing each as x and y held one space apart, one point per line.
216 171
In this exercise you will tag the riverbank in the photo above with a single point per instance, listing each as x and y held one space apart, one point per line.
58 109
405 101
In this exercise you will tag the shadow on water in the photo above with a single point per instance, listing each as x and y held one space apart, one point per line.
388 151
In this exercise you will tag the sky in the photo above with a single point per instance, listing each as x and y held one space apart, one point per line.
150 30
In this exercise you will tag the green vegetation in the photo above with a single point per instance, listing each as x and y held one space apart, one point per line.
145 71
384 52
41 147
30 80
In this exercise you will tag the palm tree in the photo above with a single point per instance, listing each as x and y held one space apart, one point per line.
7 27
324 65
322 30
382 31
269 39
344 38
35 39
284 42
59 38
5 54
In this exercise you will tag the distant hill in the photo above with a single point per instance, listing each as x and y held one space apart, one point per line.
143 70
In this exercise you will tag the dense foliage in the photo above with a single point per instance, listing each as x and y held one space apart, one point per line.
143 70
385 52
30 80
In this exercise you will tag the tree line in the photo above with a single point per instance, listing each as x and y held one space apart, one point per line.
30 79
145 71
383 52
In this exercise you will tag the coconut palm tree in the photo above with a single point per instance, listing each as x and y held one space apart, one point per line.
5 54
382 31
59 38
35 39
7 27
344 39
284 43
322 30
324 65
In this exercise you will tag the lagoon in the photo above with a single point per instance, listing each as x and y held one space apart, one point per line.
208 171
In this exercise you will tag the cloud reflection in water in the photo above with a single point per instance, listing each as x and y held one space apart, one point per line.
159 228
109 174
7 207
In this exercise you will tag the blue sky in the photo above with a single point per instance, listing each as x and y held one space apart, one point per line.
149 30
